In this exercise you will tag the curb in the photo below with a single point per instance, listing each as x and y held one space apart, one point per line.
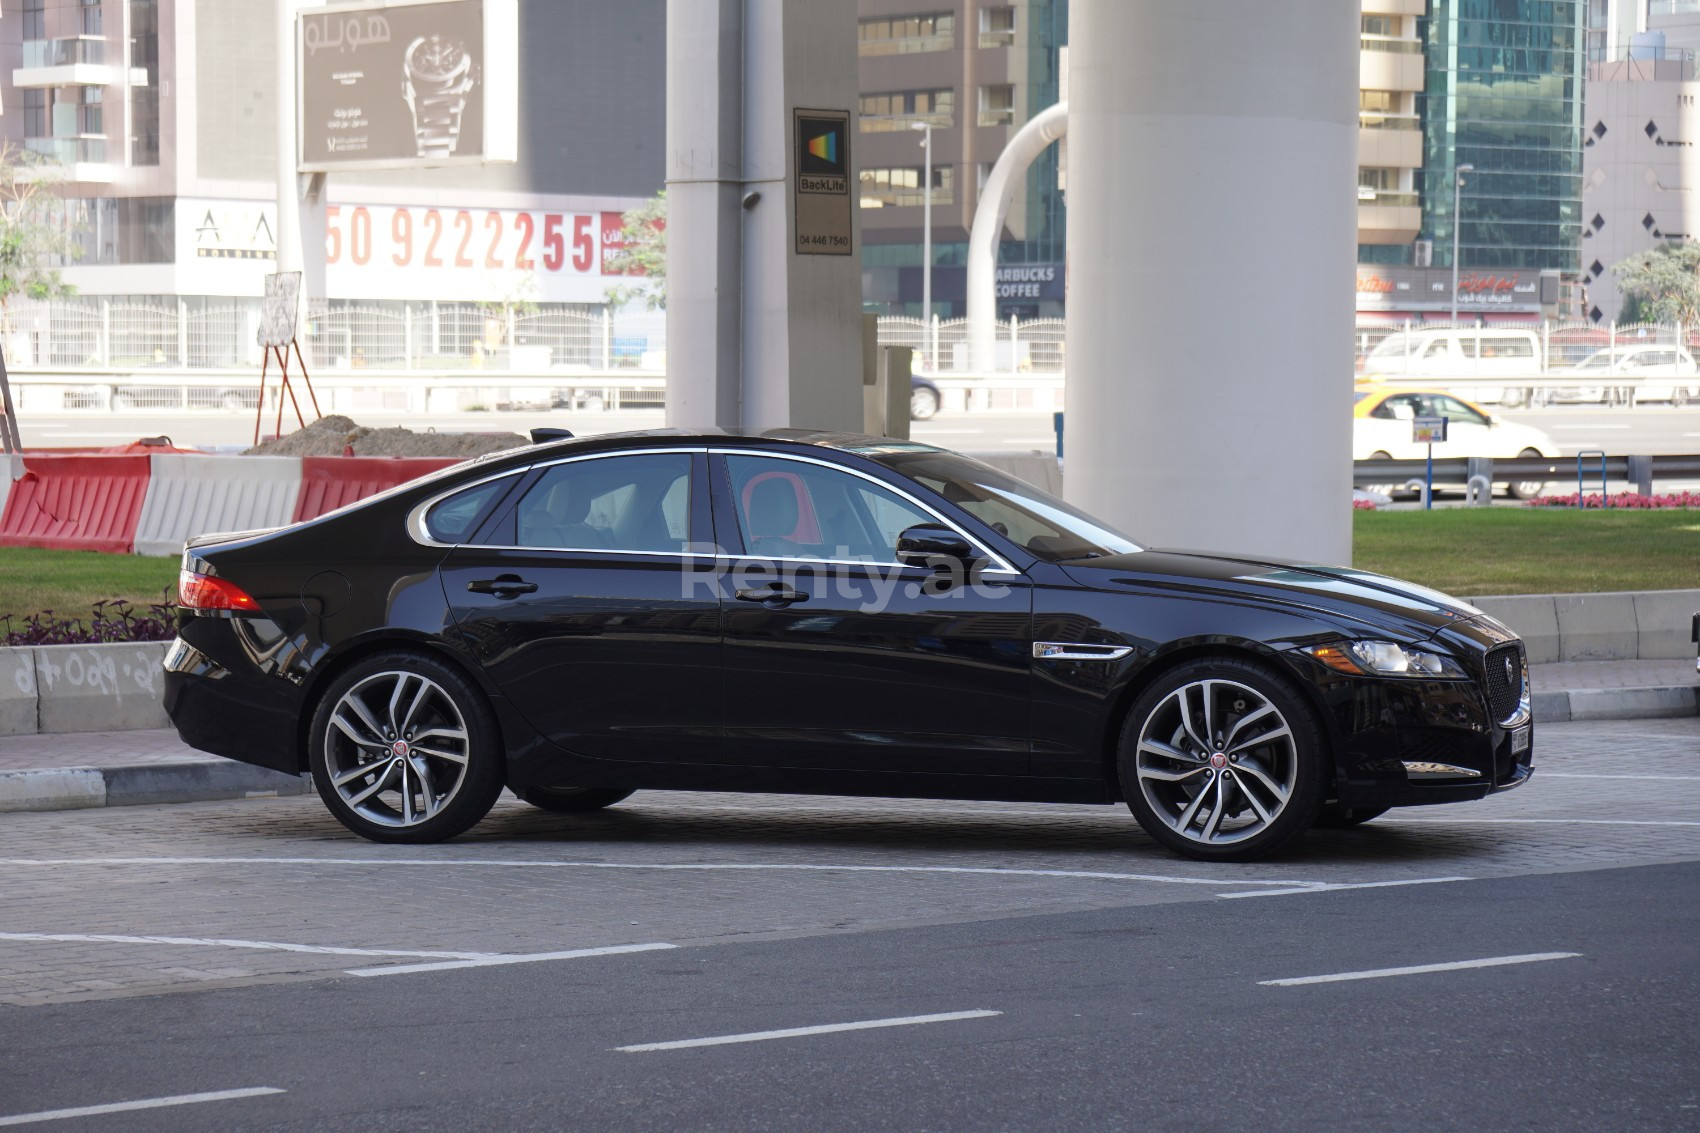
1616 704
142 784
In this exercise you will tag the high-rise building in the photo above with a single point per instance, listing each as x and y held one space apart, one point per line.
163 117
974 71
1390 138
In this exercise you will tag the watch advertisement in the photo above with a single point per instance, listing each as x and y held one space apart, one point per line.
397 85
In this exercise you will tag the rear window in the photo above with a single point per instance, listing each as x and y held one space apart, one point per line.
454 519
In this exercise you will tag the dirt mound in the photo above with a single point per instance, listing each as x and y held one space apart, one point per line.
330 436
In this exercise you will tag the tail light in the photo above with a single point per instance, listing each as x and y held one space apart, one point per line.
206 592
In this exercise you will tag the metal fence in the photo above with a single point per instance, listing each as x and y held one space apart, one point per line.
941 346
193 332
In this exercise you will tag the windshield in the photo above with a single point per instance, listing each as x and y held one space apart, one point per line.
1394 344
1029 516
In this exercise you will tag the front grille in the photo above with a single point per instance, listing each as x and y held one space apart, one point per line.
1504 680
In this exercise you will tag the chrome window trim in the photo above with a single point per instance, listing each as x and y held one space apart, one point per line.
416 517
1002 567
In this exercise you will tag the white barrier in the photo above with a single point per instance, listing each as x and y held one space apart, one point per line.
192 495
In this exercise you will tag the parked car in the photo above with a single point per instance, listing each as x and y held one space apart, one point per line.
1381 430
1459 352
793 611
924 398
1649 363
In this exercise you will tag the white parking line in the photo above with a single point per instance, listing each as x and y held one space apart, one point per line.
800 1032
496 961
1348 885
150 1103
1421 969
1536 822
707 867
1580 775
1574 428
260 945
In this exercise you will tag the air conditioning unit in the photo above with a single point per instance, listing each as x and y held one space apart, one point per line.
1422 253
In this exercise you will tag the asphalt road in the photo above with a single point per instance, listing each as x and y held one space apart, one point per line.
926 965
1644 430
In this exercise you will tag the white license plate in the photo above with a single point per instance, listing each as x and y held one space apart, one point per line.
1520 740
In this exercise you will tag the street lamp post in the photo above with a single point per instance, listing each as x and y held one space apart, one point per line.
1457 188
927 243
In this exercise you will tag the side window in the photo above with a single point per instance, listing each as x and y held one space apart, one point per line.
792 509
1517 348
454 519
613 503
1459 412
1439 348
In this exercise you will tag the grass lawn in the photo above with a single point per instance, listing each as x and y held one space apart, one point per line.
1465 551
1476 551
71 582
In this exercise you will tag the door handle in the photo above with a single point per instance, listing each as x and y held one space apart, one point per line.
773 593
505 586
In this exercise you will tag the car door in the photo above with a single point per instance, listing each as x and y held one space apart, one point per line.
590 603
1467 431
838 657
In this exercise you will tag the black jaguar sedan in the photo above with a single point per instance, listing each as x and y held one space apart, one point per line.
822 613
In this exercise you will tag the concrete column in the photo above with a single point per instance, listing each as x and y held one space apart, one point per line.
1212 229
758 334
705 127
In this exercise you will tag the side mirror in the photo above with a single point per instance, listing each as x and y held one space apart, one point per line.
924 543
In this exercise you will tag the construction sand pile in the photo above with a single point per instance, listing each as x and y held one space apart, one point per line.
331 436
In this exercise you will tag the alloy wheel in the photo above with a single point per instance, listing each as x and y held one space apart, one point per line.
1216 761
396 748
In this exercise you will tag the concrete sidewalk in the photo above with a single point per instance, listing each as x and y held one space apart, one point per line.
91 769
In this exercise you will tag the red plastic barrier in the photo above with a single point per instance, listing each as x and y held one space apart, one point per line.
329 482
76 503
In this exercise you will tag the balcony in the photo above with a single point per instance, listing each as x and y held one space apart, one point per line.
83 158
76 61
1387 63
1388 217
891 123
1392 141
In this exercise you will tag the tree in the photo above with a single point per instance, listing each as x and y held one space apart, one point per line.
1662 285
642 255
36 230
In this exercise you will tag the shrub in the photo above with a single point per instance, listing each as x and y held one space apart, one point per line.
110 621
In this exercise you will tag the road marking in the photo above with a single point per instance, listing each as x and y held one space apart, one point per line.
1579 428
495 961
1421 969
150 1103
1089 875
1326 888
1581 775
800 1032
260 945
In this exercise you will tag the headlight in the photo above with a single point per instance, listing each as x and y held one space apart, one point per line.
1387 659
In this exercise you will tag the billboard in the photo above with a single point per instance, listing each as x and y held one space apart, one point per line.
386 85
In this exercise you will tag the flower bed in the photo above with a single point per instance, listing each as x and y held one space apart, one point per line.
1621 500
109 621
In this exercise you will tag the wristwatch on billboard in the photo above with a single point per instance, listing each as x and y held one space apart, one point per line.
439 75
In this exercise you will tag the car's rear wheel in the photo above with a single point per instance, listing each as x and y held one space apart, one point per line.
1338 817
1221 760
404 749
923 403
573 800
1527 489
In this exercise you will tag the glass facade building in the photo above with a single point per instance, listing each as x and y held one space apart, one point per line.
1503 93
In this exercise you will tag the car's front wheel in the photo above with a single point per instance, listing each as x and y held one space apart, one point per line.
1527 489
573 800
1221 760
403 748
923 403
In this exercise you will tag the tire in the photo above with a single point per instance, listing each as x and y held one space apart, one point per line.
1382 489
1515 397
1336 817
923 404
1258 794
573 800
1678 397
1526 489
378 715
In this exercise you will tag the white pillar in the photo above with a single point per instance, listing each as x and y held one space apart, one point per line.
1212 155
289 248
758 333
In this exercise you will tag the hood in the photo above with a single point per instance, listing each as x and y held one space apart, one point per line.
1388 604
